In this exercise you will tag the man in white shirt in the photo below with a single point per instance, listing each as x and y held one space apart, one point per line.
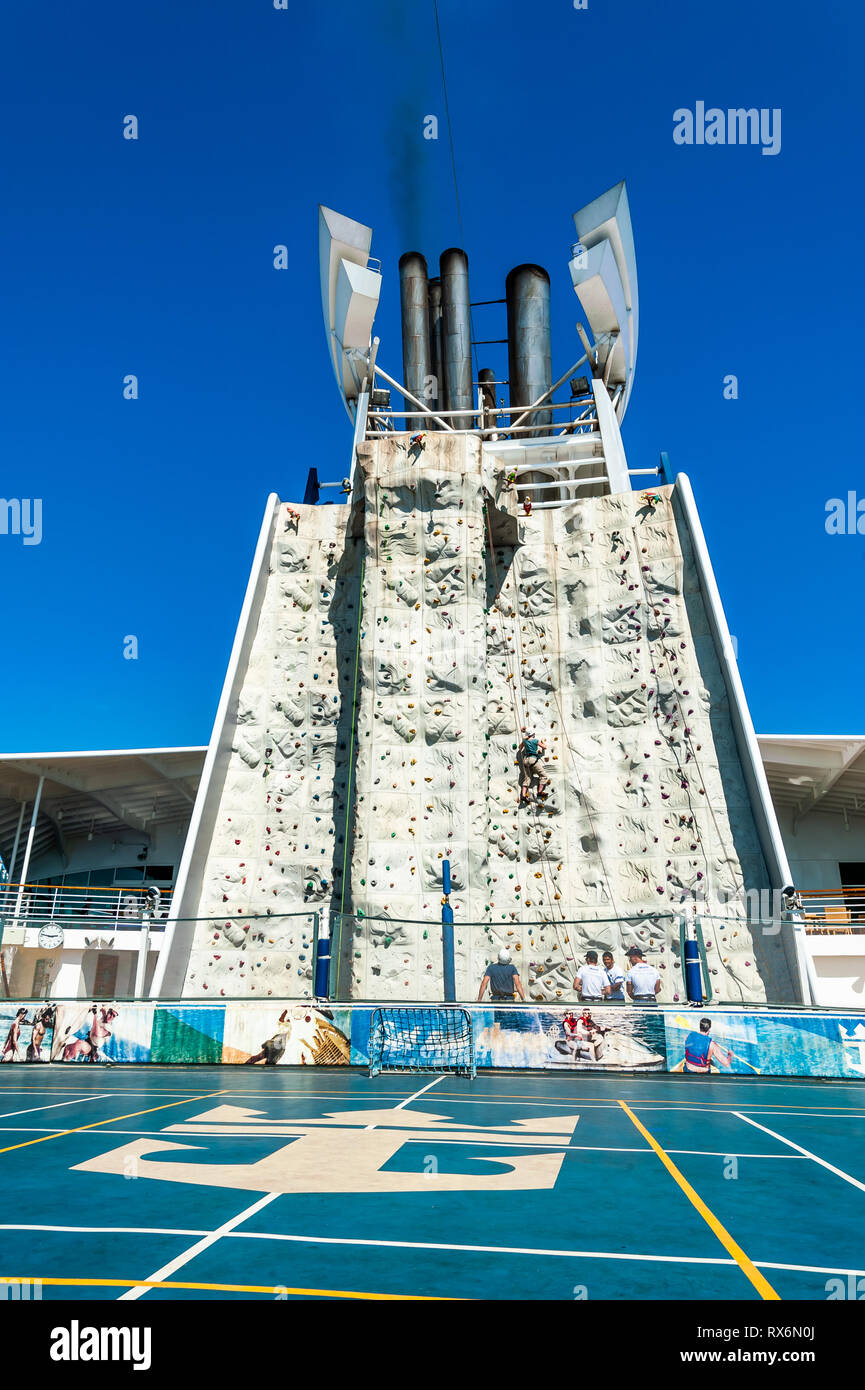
615 979
591 979
642 981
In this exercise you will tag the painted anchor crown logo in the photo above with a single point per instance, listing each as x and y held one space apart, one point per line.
346 1151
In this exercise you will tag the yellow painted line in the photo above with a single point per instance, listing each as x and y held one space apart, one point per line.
220 1288
748 1268
113 1119
665 1103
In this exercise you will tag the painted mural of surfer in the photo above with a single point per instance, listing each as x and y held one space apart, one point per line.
16 1047
43 1019
12 1045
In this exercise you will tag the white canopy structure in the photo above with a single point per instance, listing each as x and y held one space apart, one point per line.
604 275
350 290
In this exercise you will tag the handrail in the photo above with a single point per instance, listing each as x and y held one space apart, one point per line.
82 888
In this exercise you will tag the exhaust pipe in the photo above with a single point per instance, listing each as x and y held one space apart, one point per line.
435 334
487 384
530 362
456 335
414 305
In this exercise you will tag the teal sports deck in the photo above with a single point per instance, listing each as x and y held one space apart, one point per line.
214 1182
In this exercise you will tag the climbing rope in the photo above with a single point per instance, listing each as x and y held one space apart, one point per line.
520 695
350 767
651 605
574 757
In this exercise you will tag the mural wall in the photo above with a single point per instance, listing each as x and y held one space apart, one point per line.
607 1038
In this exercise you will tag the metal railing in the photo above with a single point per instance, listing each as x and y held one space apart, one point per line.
834 911
370 958
486 420
32 904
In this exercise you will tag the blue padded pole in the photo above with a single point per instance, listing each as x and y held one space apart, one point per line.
693 970
322 957
450 990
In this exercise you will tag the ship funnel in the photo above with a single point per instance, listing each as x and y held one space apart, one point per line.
435 333
456 336
414 304
530 364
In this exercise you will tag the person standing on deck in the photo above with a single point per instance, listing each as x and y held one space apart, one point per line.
615 979
502 979
591 979
642 981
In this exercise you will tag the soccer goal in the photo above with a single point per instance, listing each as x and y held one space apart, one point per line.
421 1040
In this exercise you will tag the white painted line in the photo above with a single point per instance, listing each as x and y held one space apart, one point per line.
10 1114
408 1100
806 1153
180 1260
107 1230
506 1141
429 1245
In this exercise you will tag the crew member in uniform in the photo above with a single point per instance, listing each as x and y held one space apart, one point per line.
642 981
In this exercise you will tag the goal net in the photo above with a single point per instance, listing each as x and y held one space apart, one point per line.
421 1040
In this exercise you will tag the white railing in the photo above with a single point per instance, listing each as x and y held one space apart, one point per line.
486 420
114 908
834 911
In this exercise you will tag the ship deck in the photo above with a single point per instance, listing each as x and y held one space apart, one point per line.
252 1183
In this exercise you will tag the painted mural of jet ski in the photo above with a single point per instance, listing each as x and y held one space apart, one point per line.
579 1039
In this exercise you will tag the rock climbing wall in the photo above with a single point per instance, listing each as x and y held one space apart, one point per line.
279 839
584 625
414 655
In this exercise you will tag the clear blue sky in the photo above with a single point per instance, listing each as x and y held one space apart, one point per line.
154 257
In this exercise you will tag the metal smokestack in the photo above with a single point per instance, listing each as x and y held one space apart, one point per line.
414 304
487 384
435 334
530 362
456 335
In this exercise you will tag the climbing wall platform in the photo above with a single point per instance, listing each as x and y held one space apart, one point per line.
402 648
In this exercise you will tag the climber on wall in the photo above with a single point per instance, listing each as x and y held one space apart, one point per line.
530 757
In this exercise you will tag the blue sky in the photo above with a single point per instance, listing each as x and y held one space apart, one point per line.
155 257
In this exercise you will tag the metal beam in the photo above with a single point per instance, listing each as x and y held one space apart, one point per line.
850 754
78 784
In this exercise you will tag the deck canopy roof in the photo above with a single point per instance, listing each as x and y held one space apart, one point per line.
98 792
815 772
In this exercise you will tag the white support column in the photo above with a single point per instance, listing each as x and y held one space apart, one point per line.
17 841
143 948
611 438
25 867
